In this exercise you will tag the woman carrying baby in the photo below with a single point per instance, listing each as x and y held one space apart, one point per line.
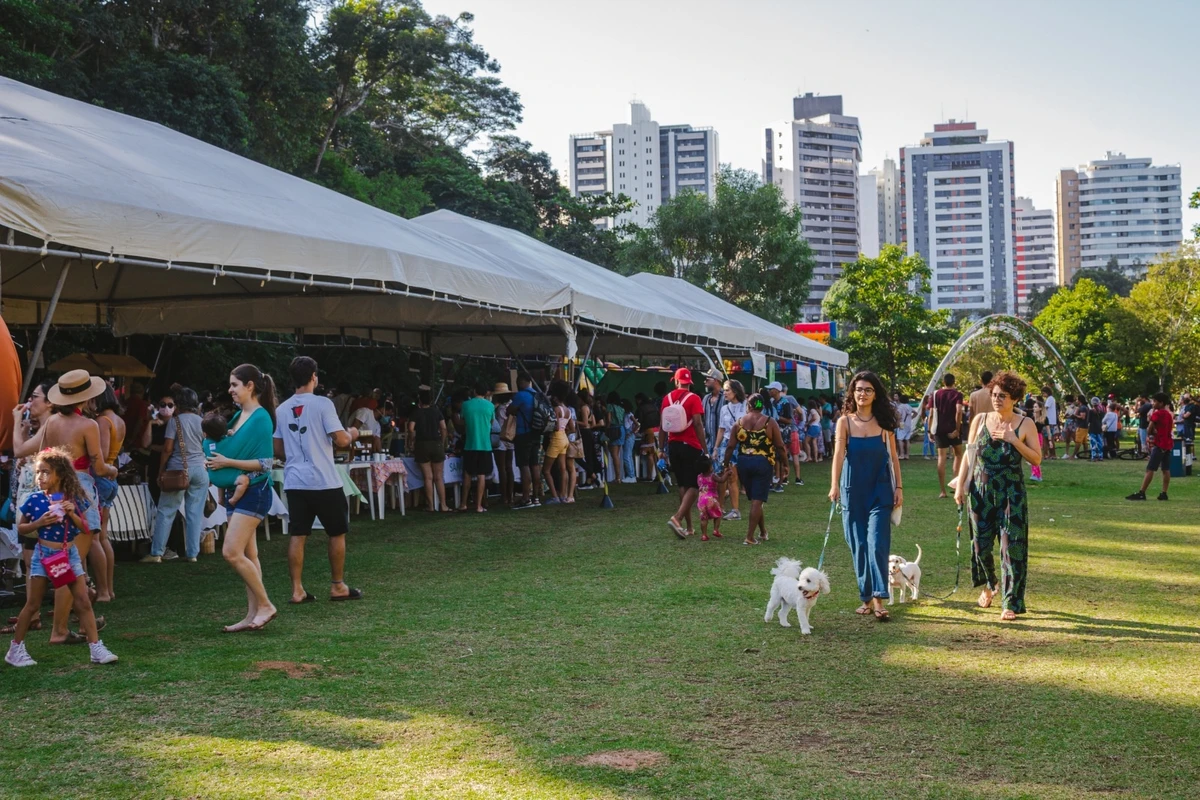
864 463
992 479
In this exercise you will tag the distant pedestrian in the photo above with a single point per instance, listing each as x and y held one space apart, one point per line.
682 436
947 416
478 464
1162 441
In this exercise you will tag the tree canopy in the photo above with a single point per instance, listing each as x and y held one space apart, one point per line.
879 304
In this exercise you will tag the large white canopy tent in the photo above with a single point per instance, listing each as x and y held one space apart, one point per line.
176 235
768 337
624 319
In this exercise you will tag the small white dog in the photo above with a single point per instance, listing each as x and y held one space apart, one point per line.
904 575
795 588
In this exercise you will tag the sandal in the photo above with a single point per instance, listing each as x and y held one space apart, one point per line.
259 626
748 543
309 597
717 535
36 625
353 594
1008 615
73 637
704 537
676 528
881 615
863 610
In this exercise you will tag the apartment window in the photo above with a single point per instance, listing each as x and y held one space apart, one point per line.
647 138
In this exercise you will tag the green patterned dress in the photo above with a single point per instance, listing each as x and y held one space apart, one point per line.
999 508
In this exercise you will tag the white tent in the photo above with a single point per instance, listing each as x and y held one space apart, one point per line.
602 300
181 236
768 337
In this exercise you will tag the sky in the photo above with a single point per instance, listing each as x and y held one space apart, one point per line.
1064 80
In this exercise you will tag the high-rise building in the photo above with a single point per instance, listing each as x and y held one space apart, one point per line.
1036 267
957 205
1126 210
647 162
887 190
1067 204
815 160
868 208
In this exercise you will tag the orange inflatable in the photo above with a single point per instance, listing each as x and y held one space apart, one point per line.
10 385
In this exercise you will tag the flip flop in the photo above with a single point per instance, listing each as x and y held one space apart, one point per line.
748 543
882 616
261 625
309 597
863 610
676 528
354 594
73 638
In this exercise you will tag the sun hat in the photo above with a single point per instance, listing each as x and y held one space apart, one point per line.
75 387
501 389
683 375
776 385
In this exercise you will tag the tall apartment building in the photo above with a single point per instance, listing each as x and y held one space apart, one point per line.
869 195
647 162
1118 207
957 210
887 191
814 159
1036 266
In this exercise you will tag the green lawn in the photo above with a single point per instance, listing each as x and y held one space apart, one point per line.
493 653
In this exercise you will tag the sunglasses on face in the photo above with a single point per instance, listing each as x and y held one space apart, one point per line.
166 405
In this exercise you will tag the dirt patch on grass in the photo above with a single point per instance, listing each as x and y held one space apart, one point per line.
626 760
290 668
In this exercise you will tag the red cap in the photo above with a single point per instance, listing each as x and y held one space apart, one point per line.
683 375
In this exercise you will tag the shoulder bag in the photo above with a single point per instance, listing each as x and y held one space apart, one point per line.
176 480
897 511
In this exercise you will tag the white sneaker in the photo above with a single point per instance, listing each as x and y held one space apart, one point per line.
18 656
733 514
101 654
169 555
627 479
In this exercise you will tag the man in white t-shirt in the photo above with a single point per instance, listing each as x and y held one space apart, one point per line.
306 429
1049 448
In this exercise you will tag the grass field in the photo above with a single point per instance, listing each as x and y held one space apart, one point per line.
493 654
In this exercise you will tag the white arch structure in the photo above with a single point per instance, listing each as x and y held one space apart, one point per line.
1019 331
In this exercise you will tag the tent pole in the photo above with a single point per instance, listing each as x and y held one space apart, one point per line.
517 358
583 364
158 357
41 340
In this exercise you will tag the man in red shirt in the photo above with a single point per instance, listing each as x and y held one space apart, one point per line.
948 404
685 446
1161 442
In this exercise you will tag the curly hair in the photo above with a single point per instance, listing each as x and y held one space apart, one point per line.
881 406
1010 383
60 463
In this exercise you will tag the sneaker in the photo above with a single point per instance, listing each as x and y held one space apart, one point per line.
169 555
627 479
1064 457
150 560
1136 496
18 656
553 501
190 559
520 506
777 489
733 514
101 654
1161 496
798 482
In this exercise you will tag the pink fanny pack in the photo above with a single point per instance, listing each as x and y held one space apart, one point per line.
58 567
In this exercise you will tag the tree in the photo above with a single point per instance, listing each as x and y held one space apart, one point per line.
743 246
1167 304
1110 276
1038 299
880 308
1194 202
1103 342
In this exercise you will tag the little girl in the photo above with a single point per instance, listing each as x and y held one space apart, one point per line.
709 503
53 513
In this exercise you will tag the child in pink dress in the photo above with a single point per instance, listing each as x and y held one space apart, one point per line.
709 502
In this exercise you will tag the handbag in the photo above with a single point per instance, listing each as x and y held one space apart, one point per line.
176 480
897 511
508 429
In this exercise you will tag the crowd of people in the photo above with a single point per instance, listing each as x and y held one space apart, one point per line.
538 446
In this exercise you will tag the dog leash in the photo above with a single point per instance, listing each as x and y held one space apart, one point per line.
829 526
962 510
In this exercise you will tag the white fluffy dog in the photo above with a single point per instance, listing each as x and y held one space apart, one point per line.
795 588
904 575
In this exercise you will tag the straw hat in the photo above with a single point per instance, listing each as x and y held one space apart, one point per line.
501 390
75 387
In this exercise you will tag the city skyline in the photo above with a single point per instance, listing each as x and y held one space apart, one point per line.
1043 76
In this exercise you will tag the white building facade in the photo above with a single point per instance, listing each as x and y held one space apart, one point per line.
958 203
868 206
887 192
646 162
814 160
1036 263
1129 210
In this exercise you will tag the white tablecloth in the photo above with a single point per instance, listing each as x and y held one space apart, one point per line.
451 471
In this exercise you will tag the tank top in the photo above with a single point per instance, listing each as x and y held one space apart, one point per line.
560 420
756 443
114 447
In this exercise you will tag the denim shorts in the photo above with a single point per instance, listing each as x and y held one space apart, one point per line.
256 502
106 492
40 551
755 474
